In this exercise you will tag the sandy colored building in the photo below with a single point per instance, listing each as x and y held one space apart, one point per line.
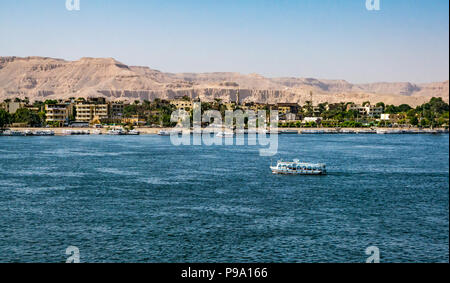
182 104
366 110
86 112
284 108
57 114
135 120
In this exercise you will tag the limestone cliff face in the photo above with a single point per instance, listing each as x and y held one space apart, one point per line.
40 78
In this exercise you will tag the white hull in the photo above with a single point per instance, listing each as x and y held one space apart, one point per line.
225 135
297 172
298 168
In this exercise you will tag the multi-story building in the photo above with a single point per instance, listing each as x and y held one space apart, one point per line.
58 114
182 104
366 110
12 107
116 109
312 119
86 112
392 117
97 100
291 117
358 108
373 110
251 106
284 108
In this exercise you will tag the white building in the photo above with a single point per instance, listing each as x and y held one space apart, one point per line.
366 110
385 117
312 119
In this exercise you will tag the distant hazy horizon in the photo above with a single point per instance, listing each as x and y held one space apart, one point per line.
405 41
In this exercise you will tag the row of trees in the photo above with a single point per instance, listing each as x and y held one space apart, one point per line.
22 115
434 113
25 115
156 112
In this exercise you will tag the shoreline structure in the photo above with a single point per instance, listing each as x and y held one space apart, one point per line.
155 131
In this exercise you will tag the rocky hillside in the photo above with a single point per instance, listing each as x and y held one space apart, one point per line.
40 78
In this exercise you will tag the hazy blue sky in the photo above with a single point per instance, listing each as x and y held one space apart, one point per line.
407 40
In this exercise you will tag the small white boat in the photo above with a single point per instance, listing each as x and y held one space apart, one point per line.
172 132
67 132
133 133
225 134
348 131
75 132
18 133
116 132
298 168
96 132
7 133
43 133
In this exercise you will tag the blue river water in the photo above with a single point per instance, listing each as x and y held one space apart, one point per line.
141 199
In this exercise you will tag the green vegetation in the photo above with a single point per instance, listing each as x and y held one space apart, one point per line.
23 116
434 113
157 113
5 118
392 109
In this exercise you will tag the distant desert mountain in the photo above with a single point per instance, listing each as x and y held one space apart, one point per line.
40 78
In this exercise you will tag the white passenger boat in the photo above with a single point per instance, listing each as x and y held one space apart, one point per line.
133 133
96 132
225 134
298 168
75 132
17 133
7 133
43 133
116 132
172 132
345 131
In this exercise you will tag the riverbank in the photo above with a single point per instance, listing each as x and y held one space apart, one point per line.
155 131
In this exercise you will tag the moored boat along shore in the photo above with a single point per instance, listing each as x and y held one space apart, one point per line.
155 131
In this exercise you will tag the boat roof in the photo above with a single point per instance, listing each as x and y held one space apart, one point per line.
300 163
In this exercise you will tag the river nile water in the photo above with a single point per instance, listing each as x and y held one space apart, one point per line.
141 199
